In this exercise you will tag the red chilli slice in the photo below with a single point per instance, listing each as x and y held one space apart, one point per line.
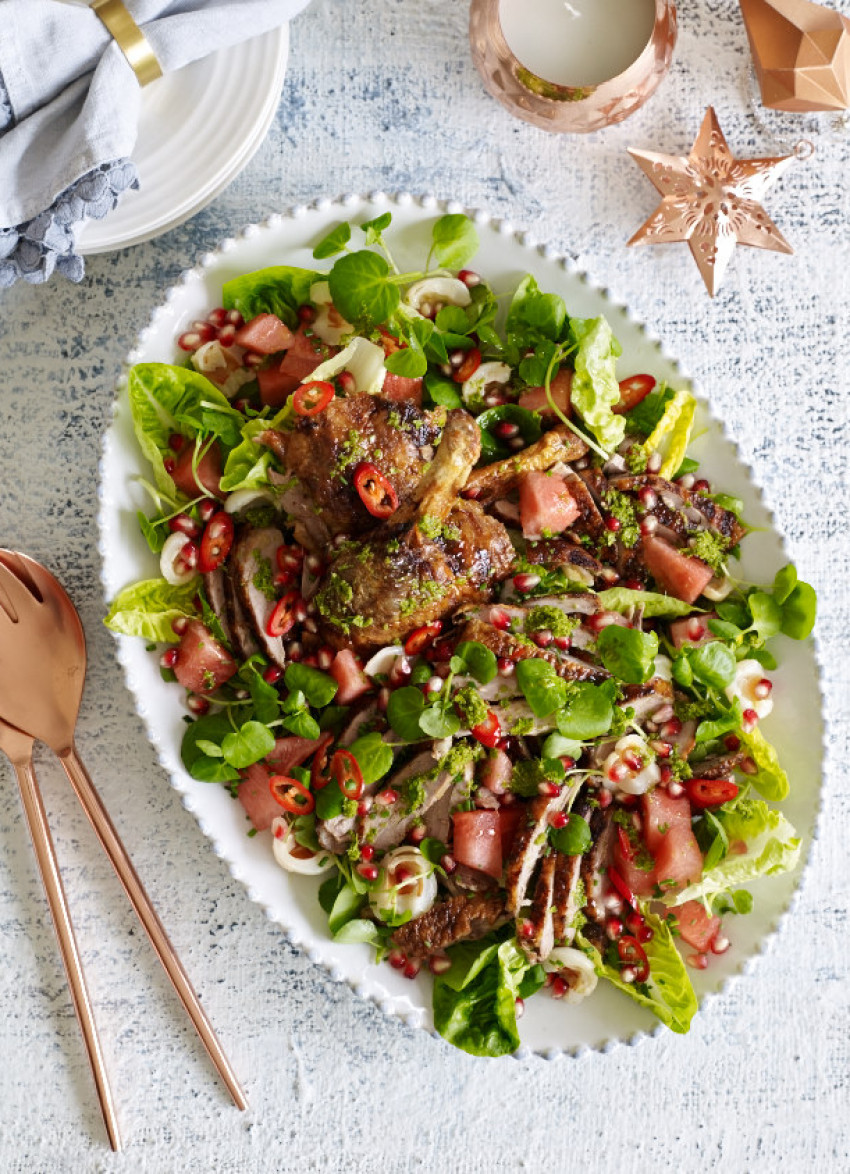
632 391
622 888
216 542
293 796
311 398
421 638
282 618
319 777
488 732
375 490
345 769
632 953
710 792
471 363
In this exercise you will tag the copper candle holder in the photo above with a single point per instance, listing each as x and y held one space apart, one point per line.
563 108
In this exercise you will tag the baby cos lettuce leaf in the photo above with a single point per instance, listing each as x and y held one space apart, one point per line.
667 992
671 434
279 290
247 465
166 399
772 847
595 389
475 1001
147 609
623 599
771 780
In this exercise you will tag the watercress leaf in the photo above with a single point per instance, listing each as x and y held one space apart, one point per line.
528 422
541 686
682 672
374 757
588 713
404 709
713 728
334 242
330 888
727 502
329 801
557 746
294 701
438 723
443 391
279 290
361 288
723 629
433 850
719 847
333 718
153 530
765 658
319 688
346 905
535 315
798 611
645 415
734 613
248 744
454 240
688 465
784 583
453 319
408 362
766 613
376 226
628 653
574 838
713 664
212 728
304 725
264 698
358 930
478 660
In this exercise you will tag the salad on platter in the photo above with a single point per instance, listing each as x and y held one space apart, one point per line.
456 619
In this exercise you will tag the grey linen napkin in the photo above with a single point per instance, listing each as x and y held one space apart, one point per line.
69 111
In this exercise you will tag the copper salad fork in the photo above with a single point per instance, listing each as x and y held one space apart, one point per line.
42 669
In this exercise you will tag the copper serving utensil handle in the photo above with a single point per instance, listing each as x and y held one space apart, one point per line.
18 749
42 648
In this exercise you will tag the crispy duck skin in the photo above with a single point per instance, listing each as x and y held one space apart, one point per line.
501 643
456 919
449 553
323 451
499 479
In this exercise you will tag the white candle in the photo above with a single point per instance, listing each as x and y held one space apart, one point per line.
577 42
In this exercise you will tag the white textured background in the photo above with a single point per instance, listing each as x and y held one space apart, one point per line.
381 94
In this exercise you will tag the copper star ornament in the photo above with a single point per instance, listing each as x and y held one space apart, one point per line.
711 200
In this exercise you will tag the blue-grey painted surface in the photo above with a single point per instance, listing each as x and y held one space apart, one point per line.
382 95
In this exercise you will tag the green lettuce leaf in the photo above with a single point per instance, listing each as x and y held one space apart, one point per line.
147 609
667 992
771 780
247 465
773 847
475 1001
595 389
654 604
279 290
166 399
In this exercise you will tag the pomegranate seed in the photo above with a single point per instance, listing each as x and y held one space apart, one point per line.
500 619
558 819
387 797
412 968
187 558
566 762
272 674
190 340
563 642
168 658
613 902
315 564
400 672
648 526
506 666
526 929
526 581
369 872
417 834
603 620
548 788
632 761
217 317
613 524
543 638
662 749
697 961
609 575
749 766
654 462
294 649
702 486
279 832
613 928
732 742
750 719
176 442
628 974
469 277
325 658
456 358
235 319
364 806
206 330
299 612
648 497
397 960
283 579
617 772
439 963
307 315
675 789
433 685
367 852
198 705
310 661
495 399
604 797
448 864
207 508
383 699
519 1007
633 584
252 359
506 430
169 464
720 944
183 524
290 558
558 988
686 481
179 625
762 688
671 729
346 383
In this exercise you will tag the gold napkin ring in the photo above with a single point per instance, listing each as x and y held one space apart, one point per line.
130 39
